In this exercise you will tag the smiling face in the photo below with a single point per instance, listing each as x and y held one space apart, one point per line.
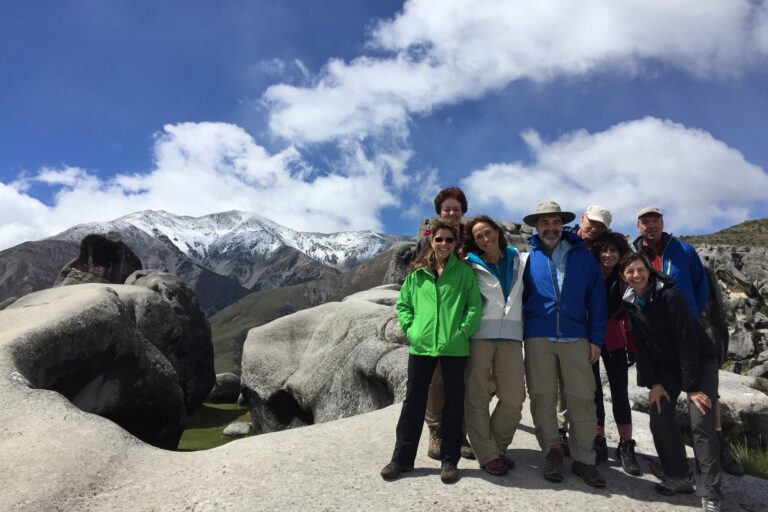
590 229
550 229
486 238
651 227
443 243
450 211
636 275
609 258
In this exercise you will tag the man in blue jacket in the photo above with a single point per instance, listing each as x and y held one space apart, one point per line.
679 260
565 317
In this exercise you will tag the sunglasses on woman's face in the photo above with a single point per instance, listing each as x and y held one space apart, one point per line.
447 240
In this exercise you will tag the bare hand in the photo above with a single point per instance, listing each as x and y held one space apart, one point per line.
594 353
700 400
655 395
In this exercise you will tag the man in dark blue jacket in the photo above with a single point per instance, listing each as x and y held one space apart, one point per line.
565 317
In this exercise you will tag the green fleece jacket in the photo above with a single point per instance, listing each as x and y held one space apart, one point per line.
439 315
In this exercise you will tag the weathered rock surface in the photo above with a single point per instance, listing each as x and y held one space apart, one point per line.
102 259
226 390
58 458
172 320
238 429
332 361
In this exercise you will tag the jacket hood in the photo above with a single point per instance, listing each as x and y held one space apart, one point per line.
474 258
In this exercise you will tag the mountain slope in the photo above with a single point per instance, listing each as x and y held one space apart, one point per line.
752 233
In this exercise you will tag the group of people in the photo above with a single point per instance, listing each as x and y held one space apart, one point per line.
482 318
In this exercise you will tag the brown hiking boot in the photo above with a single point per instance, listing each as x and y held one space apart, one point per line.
466 449
553 466
588 473
393 470
449 473
435 442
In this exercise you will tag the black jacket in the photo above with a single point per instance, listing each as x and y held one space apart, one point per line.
667 335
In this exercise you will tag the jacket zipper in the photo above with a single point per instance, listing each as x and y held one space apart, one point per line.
557 297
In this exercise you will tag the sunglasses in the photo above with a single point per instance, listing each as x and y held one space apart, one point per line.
447 240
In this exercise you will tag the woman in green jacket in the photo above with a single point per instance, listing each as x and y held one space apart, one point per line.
439 308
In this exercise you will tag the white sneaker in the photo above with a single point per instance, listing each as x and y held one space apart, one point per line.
710 505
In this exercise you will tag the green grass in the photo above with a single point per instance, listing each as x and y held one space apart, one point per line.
205 424
752 233
753 458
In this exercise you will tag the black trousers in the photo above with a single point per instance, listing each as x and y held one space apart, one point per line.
411 423
615 363
669 441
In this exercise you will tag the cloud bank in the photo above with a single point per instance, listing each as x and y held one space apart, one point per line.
438 53
694 178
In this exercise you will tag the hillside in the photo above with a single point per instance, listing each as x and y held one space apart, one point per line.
230 326
750 233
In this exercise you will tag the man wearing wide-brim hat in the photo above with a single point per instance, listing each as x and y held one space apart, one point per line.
565 317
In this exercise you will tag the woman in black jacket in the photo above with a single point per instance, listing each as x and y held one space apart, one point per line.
674 354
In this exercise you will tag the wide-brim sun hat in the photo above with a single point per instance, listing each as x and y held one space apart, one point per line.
548 208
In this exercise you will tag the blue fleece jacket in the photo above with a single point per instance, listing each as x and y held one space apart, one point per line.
578 309
681 261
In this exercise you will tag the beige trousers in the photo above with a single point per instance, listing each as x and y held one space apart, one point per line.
499 363
435 400
541 364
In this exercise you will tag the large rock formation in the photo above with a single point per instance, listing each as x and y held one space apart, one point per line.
332 361
102 259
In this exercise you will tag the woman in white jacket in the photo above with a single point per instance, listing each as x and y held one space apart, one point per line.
496 349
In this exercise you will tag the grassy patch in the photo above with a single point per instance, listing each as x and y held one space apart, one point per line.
749 233
753 458
205 424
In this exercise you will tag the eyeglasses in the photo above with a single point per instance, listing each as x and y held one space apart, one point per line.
447 240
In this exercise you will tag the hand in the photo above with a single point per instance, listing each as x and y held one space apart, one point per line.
700 400
655 395
594 353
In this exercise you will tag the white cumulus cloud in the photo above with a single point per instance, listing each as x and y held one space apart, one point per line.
440 52
697 180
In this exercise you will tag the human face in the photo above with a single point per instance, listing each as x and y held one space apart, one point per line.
590 229
650 227
609 258
636 275
550 229
450 211
443 243
486 238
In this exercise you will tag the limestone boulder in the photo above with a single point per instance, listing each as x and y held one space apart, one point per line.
172 320
102 259
332 361
226 390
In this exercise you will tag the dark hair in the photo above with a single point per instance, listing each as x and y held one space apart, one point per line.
427 258
470 245
632 257
450 193
609 240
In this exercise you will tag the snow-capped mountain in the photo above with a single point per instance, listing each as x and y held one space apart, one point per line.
235 244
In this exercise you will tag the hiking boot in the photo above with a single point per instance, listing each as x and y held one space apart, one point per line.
466 449
589 474
553 466
626 454
449 473
600 445
495 467
710 505
673 486
564 443
435 442
393 470
508 462
728 461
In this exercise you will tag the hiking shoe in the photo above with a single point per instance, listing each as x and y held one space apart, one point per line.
393 470
710 505
600 445
435 442
508 462
626 454
589 474
728 461
495 467
449 473
466 449
564 443
673 486
553 466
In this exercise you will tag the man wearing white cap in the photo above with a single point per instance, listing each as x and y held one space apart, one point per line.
565 316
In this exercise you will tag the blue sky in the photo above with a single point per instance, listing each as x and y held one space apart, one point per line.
341 115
